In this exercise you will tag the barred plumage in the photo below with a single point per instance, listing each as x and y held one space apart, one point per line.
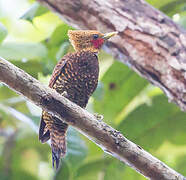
76 78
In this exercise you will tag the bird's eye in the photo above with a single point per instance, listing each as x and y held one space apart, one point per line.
95 36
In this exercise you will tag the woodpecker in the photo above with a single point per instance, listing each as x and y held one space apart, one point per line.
75 77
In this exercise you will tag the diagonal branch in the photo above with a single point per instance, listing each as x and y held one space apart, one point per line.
109 139
148 41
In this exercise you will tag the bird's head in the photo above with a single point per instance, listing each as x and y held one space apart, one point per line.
88 39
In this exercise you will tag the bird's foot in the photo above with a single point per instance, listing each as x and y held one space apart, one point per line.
65 94
99 117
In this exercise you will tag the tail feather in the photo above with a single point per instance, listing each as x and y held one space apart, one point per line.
44 134
53 128
58 143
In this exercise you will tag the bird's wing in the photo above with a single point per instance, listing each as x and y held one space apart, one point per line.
57 71
44 134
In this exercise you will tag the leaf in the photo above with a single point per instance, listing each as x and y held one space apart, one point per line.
150 126
115 170
21 174
131 174
3 32
59 35
19 51
182 19
44 79
26 157
158 3
19 116
181 164
6 92
55 53
35 10
91 170
173 7
99 92
63 173
77 150
173 155
121 85
94 151
106 167
32 67
169 7
62 50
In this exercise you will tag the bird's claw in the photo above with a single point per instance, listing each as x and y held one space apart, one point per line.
99 117
65 94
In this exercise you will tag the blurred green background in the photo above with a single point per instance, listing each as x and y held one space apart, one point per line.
34 39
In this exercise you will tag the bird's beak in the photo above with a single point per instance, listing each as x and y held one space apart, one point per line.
109 35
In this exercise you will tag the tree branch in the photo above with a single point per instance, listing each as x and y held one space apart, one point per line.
148 41
109 139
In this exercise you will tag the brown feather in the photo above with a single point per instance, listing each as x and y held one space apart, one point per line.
77 74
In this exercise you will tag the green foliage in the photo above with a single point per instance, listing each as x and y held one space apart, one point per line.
3 32
35 43
63 172
77 150
182 18
22 51
35 10
151 123
169 7
59 35
119 83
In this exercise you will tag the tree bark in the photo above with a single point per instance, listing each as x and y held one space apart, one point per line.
148 41
109 139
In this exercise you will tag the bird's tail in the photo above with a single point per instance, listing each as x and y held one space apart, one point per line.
58 142
54 129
